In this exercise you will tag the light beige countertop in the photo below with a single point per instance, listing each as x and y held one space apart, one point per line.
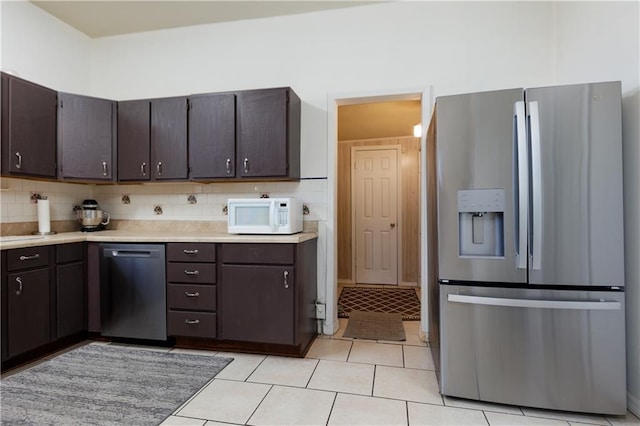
12 242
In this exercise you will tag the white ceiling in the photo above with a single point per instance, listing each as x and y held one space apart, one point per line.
98 18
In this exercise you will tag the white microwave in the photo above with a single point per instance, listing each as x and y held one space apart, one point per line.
264 216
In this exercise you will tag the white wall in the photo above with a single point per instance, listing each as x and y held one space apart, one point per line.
455 47
40 48
590 48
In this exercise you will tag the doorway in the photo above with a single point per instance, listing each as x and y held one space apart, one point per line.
344 270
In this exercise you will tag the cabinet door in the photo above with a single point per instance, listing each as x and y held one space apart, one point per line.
28 310
257 304
70 299
29 114
262 133
133 140
85 137
212 136
169 138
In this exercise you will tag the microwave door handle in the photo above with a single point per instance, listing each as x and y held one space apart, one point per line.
274 221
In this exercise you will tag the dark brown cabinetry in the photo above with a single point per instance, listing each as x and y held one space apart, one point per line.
191 290
86 138
70 290
28 128
274 286
268 133
28 296
212 136
169 138
134 140
152 139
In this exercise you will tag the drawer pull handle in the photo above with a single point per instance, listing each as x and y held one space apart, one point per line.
228 166
19 164
143 169
190 322
32 257
19 281
192 252
196 294
159 168
104 168
191 272
286 279
245 164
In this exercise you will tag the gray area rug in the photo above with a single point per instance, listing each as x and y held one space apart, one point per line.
105 385
375 326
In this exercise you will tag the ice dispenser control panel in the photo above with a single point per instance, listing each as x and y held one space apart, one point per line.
481 222
481 200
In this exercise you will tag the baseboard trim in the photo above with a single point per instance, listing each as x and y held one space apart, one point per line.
633 404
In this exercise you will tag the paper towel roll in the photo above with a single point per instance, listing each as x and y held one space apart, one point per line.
44 221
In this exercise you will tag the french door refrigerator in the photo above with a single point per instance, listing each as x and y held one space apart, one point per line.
527 279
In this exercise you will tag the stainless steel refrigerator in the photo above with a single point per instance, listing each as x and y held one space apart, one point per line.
526 281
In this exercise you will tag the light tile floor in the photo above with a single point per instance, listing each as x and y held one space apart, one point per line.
352 382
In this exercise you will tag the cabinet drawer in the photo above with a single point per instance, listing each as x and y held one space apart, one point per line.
199 273
191 252
69 252
192 324
191 297
269 254
28 257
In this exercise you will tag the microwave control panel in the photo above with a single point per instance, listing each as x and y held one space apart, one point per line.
282 210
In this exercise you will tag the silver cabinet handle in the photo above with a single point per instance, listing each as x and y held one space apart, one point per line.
32 257
286 279
190 251
228 165
196 294
19 281
186 272
188 321
143 169
159 168
19 164
104 168
245 164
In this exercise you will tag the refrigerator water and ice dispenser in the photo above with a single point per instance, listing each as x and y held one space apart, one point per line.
481 222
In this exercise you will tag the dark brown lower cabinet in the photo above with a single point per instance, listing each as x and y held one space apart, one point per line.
28 315
70 290
257 303
267 294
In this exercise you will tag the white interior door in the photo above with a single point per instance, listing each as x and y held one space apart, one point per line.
375 201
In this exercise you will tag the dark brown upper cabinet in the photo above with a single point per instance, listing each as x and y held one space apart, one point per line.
169 139
212 136
28 128
268 134
86 138
152 139
134 140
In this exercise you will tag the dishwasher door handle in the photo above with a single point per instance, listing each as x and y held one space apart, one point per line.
131 253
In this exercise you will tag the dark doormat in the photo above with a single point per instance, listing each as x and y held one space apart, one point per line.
375 326
403 301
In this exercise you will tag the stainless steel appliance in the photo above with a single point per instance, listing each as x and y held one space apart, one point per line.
264 216
133 291
527 279
91 218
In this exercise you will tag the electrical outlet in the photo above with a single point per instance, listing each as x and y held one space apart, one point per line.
321 312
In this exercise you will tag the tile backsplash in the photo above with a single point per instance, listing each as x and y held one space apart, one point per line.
17 206
154 201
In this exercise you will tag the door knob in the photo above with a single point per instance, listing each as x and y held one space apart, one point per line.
393 225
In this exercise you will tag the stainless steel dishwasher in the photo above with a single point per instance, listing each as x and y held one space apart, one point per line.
133 291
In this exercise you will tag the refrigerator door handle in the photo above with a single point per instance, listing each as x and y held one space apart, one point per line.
522 187
593 305
536 186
